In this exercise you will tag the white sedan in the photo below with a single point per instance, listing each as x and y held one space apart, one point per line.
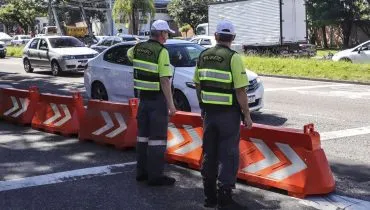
358 54
109 76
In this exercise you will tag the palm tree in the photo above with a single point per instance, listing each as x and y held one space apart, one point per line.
129 11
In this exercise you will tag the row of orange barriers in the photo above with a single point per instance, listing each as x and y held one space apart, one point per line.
283 158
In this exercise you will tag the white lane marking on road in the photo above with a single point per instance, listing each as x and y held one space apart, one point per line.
344 133
306 87
65 176
334 202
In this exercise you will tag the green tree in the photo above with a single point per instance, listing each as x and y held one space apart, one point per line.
130 10
23 12
343 13
192 12
185 29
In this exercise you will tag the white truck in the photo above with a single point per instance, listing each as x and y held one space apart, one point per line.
265 26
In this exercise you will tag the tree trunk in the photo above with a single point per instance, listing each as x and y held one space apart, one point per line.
313 37
347 29
133 20
324 38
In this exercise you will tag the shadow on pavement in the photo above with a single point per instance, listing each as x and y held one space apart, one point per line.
53 85
268 119
352 180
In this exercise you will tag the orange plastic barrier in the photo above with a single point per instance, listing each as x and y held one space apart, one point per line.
185 139
110 123
59 114
287 159
18 106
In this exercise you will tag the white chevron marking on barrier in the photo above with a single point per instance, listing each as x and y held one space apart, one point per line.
109 124
14 108
122 126
297 163
24 103
177 137
66 117
196 143
55 116
270 157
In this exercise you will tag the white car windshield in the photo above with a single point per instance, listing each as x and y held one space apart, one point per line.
64 42
184 55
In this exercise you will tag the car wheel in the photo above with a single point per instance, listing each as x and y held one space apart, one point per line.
2 56
346 60
55 69
181 102
99 92
27 66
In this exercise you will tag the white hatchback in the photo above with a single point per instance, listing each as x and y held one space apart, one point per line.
358 54
109 76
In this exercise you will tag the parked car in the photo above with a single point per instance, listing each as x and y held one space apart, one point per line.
110 41
5 38
109 76
60 53
210 41
2 50
20 39
358 54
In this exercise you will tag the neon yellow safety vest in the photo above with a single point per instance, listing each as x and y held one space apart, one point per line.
146 72
215 76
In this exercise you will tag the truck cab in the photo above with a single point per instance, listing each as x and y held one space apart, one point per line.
202 29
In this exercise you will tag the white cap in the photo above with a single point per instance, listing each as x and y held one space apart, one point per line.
225 27
161 25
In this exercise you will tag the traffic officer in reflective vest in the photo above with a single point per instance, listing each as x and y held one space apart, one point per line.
152 74
221 82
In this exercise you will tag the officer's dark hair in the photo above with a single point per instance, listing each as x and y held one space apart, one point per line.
155 33
226 37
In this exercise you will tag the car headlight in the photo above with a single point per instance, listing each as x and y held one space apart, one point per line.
68 57
258 79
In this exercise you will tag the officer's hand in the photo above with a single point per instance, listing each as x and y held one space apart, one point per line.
248 122
172 111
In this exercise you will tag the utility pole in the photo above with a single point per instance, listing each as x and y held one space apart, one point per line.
50 14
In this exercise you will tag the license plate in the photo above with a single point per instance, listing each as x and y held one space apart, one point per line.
82 61
251 99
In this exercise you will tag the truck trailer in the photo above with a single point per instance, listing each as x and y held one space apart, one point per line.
265 26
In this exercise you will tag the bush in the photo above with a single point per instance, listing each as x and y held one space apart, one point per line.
14 51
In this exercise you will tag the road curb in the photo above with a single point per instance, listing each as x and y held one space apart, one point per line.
315 79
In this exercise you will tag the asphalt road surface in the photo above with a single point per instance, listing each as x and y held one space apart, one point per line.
46 171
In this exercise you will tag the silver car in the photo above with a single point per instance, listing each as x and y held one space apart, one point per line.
60 53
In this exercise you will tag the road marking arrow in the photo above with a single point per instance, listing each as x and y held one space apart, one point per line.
270 157
120 129
108 124
297 163
24 103
56 114
14 108
196 141
66 117
177 137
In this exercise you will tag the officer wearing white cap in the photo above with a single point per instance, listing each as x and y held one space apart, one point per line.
221 83
152 74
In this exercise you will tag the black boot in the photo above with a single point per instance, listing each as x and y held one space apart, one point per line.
210 192
225 201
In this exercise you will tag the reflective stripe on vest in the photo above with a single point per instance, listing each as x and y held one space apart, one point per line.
145 66
217 98
215 75
144 85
